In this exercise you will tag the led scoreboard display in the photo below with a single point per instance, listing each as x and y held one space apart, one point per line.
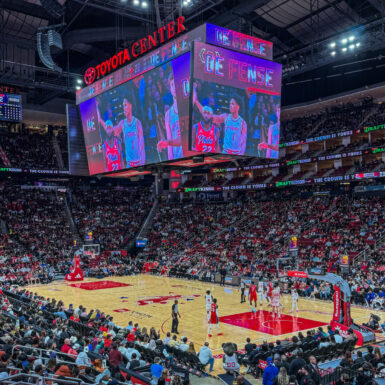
10 107
177 94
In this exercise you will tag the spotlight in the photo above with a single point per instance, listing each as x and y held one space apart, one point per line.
358 44
123 1
344 41
78 88
185 3
144 4
79 81
351 38
344 49
351 46
332 45
333 53
136 2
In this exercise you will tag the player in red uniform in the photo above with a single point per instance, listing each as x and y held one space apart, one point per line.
112 150
253 297
205 135
214 319
269 292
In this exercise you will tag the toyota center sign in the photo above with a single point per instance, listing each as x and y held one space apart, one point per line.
137 49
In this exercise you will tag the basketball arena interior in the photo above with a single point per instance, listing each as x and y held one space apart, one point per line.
192 192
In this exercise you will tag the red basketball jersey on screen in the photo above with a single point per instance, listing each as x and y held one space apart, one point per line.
205 140
213 314
112 156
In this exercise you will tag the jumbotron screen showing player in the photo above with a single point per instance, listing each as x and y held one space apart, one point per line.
138 122
236 102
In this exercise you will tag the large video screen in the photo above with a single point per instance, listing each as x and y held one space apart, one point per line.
142 121
236 102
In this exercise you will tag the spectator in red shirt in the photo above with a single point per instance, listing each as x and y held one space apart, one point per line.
66 347
107 341
131 337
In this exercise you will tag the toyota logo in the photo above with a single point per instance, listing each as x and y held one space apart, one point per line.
90 75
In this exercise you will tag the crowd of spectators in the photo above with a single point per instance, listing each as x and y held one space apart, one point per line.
247 235
40 337
333 119
195 240
113 215
38 234
17 148
37 241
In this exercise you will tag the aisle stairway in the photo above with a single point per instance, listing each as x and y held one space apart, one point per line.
74 229
130 243
58 154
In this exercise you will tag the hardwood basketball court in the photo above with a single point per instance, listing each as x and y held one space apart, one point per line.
147 300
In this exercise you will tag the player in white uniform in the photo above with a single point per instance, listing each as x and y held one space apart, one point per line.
209 301
276 300
294 300
173 143
261 288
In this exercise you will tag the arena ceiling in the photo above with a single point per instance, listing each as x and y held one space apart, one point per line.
94 29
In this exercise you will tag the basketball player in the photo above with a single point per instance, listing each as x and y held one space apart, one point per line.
173 141
294 300
272 145
205 135
209 301
214 319
269 292
235 127
132 134
112 150
261 289
253 297
276 301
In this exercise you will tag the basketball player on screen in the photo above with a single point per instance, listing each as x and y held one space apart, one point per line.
205 135
132 134
272 145
253 297
276 301
214 319
112 150
173 141
235 127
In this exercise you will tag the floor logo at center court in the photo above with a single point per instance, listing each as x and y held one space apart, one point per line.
163 299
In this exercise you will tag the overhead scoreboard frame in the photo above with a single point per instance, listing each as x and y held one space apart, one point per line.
157 50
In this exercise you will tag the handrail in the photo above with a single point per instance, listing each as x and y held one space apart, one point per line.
19 379
40 351
363 253
150 216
